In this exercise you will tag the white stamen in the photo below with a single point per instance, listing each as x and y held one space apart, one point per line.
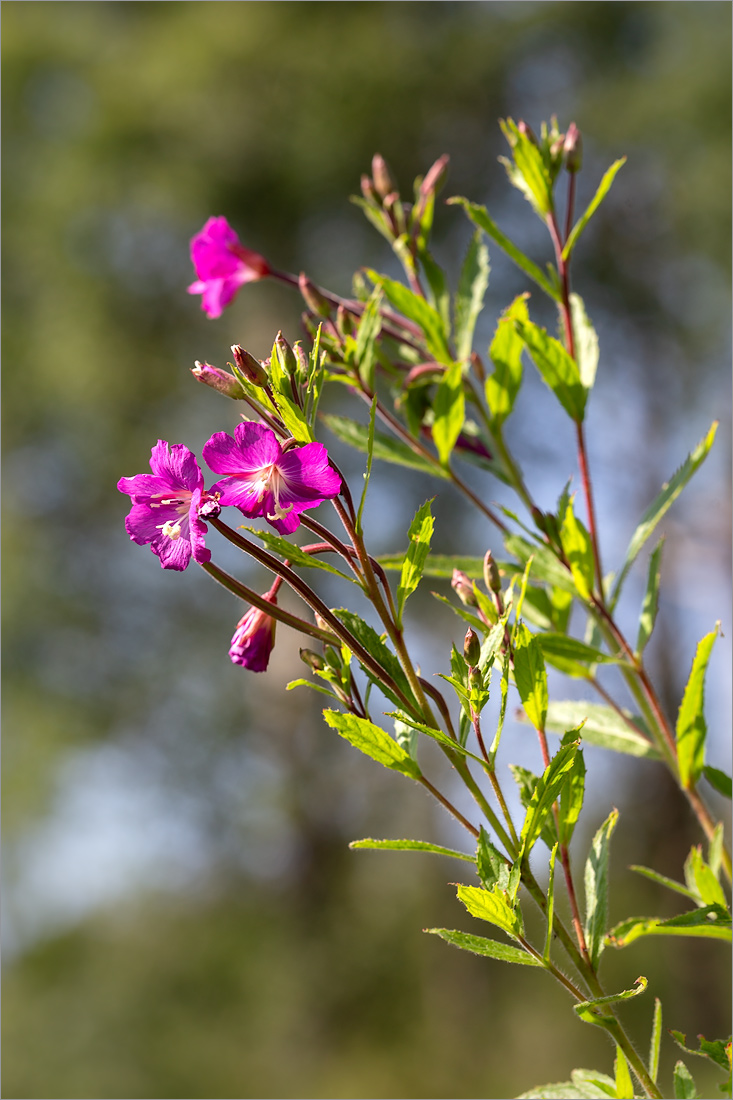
170 530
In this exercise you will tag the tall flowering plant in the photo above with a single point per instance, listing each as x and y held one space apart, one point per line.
404 351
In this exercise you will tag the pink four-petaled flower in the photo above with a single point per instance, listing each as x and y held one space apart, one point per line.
263 479
165 507
222 265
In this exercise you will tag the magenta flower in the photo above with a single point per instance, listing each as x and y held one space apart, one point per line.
165 507
265 479
222 265
254 637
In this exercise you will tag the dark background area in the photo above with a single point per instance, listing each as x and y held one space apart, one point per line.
183 916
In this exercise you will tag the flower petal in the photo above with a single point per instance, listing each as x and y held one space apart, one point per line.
306 475
253 448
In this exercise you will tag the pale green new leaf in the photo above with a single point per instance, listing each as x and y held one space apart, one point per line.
659 506
602 726
546 791
419 311
707 887
293 418
530 675
469 302
571 799
651 599
420 534
691 726
586 1084
596 888
712 923
528 172
480 217
449 407
559 371
372 741
480 945
624 1084
385 447
492 906
493 868
586 342
409 846
603 189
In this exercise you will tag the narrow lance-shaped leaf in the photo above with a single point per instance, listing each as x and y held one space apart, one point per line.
550 913
640 986
382 654
527 171
576 543
505 351
545 793
651 599
420 534
571 797
624 1084
659 506
385 447
596 888
602 726
291 552
418 310
711 922
370 324
372 741
480 217
449 407
530 675
370 456
409 846
656 1041
691 726
603 189
700 877
586 342
718 780
480 945
472 285
559 371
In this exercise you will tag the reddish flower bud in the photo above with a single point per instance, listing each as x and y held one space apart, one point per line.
286 355
573 149
383 181
463 587
367 189
527 131
312 296
435 177
218 379
471 647
250 367
492 580
345 322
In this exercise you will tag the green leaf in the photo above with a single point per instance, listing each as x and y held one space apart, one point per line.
571 655
550 913
596 888
602 726
571 799
370 324
659 506
505 350
718 780
311 685
370 456
492 906
586 1084
527 784
578 549
717 1050
691 726
374 645
293 418
586 342
449 406
708 889
585 1008
684 1086
670 883
385 447
409 846
480 217
439 294
651 600
545 793
530 676
420 534
461 612
372 741
545 565
624 1084
418 310
528 172
712 922
289 551
598 1084
559 371
603 189
480 945
438 565
436 735
469 302
656 1041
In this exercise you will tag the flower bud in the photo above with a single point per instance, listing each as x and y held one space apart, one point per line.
345 322
287 356
313 660
435 177
492 580
302 374
471 647
527 131
367 189
383 181
475 677
220 380
312 296
477 366
463 588
250 367
573 149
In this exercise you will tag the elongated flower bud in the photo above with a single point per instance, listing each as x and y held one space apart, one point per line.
573 149
286 354
218 379
475 677
384 184
492 580
312 296
250 367
312 659
463 588
345 322
471 647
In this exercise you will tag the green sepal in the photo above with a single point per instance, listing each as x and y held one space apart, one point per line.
480 945
409 846
385 447
603 189
373 742
691 729
596 888
469 301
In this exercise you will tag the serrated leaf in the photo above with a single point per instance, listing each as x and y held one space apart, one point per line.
691 729
289 551
651 599
373 742
527 781
571 799
545 565
596 888
367 332
418 310
492 867
712 922
480 945
503 385
419 534
660 505
717 1050
293 418
586 342
480 217
469 302
586 1084
550 911
602 726
568 653
449 406
528 172
385 447
530 676
684 1086
603 189
708 889
436 735
374 645
558 370
409 846
624 1084
545 793
578 549
491 906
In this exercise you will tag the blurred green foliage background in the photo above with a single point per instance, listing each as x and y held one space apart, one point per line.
182 913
